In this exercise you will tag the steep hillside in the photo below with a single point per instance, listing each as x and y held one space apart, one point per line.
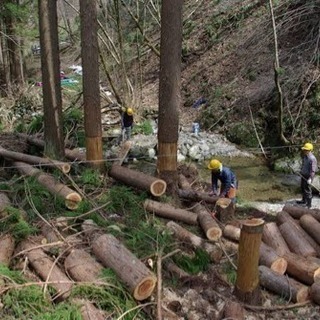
228 59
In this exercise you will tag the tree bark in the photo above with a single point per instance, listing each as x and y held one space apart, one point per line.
89 311
269 258
81 266
39 161
167 211
315 293
136 276
47 270
91 86
283 216
169 89
296 242
197 196
224 209
272 236
50 67
140 180
312 227
233 310
247 283
208 224
72 198
283 286
7 245
298 212
175 270
231 232
188 237
302 269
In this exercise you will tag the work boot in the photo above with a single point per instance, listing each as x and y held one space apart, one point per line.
309 203
303 201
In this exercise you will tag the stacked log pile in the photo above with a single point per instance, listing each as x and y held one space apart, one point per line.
289 254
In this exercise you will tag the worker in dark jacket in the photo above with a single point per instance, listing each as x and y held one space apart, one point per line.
126 123
307 172
227 180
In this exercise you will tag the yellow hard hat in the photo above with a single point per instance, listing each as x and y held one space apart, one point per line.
214 164
130 111
307 146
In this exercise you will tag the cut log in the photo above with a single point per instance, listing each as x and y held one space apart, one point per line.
296 242
283 286
7 245
233 310
183 182
195 196
315 293
49 233
71 197
272 236
302 269
269 258
188 237
175 270
123 153
136 276
284 216
247 283
208 224
81 266
139 180
311 226
4 204
167 211
73 155
224 209
231 232
47 270
89 311
298 212
34 160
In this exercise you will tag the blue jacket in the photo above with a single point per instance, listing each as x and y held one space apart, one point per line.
227 178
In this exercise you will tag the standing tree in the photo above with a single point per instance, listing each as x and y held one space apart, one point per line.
91 87
169 89
50 66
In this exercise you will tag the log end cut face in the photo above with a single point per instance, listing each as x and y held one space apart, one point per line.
145 288
72 201
158 188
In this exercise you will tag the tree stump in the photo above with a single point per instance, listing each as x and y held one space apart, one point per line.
136 276
224 209
247 283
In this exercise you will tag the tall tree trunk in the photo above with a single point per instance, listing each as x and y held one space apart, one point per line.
50 66
91 87
169 90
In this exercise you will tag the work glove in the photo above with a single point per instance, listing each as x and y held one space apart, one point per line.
309 181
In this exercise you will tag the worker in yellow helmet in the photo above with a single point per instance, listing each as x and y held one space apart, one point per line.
227 180
126 123
307 172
